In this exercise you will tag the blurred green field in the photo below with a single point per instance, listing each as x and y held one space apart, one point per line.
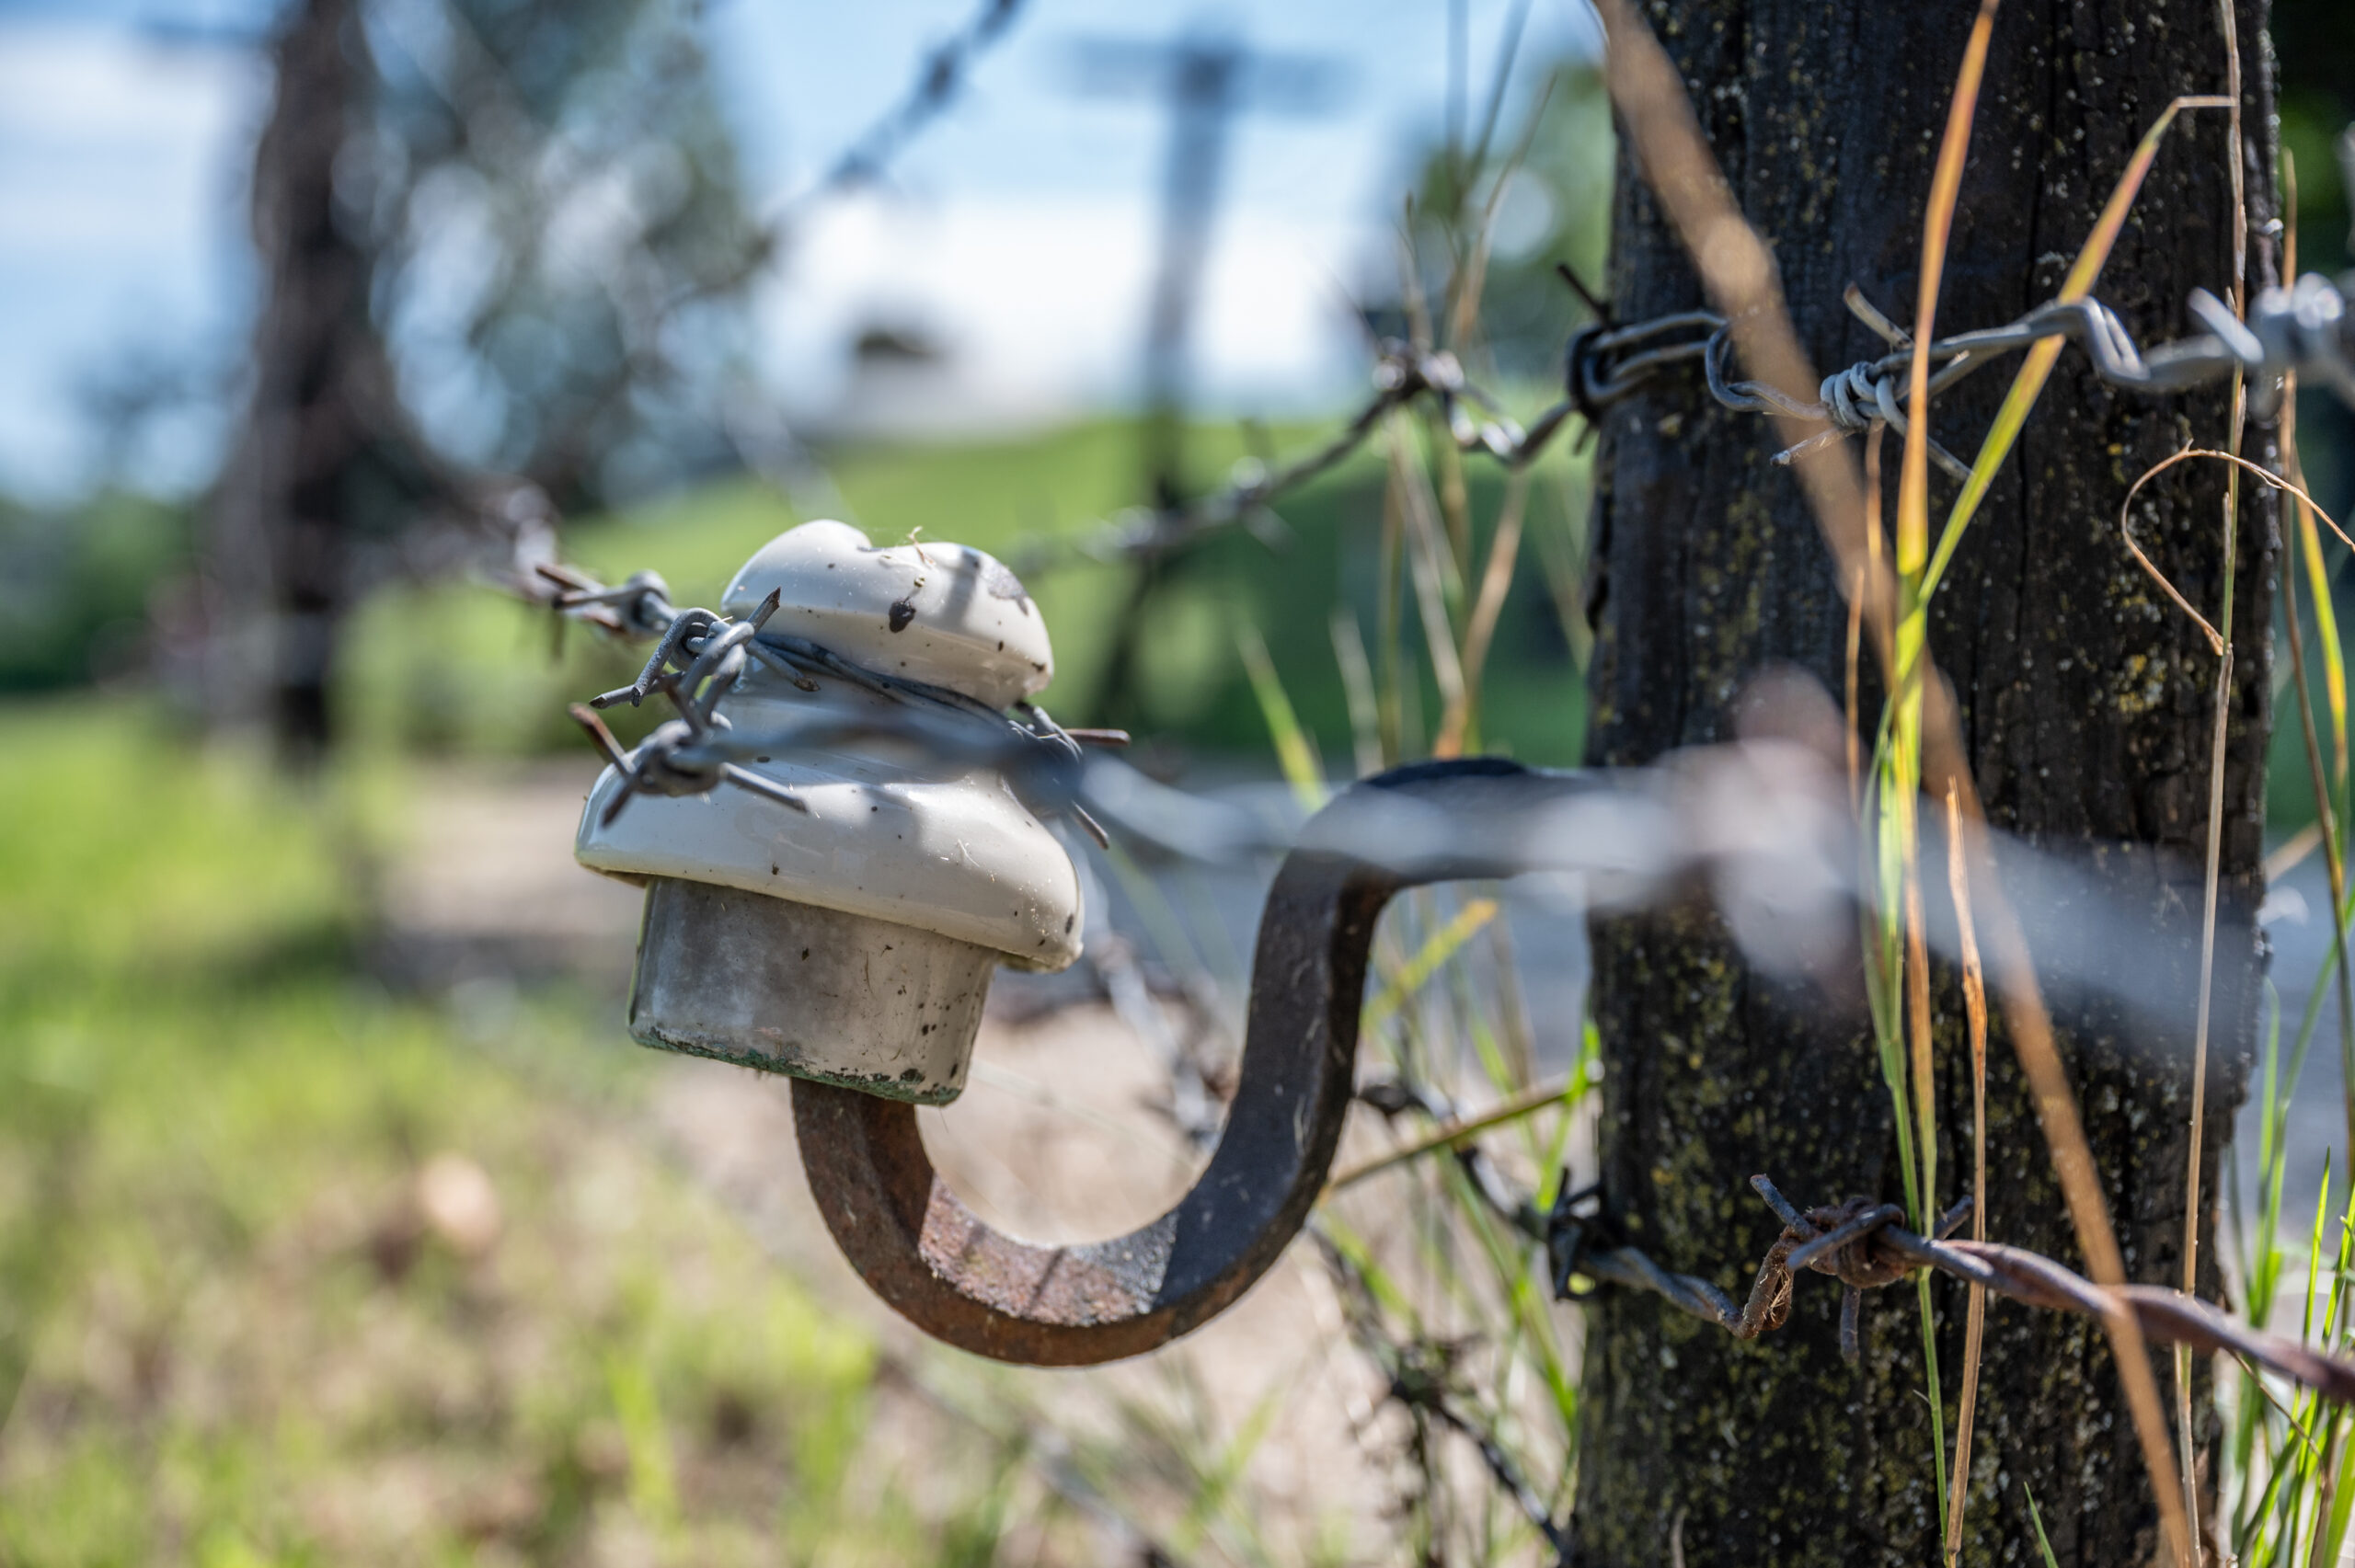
455 667
239 1321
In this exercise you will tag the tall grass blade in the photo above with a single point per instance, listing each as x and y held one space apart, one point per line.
1974 997
1431 567
1937 224
1436 950
2043 1544
1296 749
2334 666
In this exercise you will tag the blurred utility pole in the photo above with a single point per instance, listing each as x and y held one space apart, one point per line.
322 435
1205 80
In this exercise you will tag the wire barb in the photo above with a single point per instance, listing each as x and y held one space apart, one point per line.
2305 329
700 656
1860 1243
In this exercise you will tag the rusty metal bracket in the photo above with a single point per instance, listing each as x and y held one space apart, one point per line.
955 1276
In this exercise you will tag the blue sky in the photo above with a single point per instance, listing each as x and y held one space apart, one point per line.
1019 229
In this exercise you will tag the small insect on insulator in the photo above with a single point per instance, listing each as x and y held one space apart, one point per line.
852 942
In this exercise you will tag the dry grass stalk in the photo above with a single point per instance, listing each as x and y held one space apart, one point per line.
1974 1000
1455 1133
1496 578
1428 561
2294 490
2237 297
1912 557
1946 189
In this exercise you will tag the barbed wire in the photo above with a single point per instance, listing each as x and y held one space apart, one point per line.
940 77
2305 328
700 656
1476 420
1417 1374
1860 1243
1762 827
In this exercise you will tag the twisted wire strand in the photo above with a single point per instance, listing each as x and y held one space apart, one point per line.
2305 328
1861 1244
700 656
1475 420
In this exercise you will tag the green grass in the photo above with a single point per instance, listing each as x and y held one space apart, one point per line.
227 1333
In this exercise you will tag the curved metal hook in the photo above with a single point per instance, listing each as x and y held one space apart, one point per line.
955 1276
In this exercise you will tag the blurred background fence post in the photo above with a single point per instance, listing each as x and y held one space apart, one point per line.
322 433
1205 80
575 151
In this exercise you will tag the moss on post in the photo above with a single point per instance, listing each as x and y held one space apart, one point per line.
2085 708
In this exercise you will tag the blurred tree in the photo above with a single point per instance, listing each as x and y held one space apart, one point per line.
498 237
563 236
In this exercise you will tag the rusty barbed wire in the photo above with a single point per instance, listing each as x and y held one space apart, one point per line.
1860 1243
1417 1374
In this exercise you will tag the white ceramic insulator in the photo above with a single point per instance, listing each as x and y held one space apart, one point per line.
940 613
959 855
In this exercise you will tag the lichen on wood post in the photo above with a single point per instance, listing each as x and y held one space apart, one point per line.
2084 702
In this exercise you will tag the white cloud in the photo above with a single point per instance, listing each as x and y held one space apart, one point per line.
1040 303
107 141
121 222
